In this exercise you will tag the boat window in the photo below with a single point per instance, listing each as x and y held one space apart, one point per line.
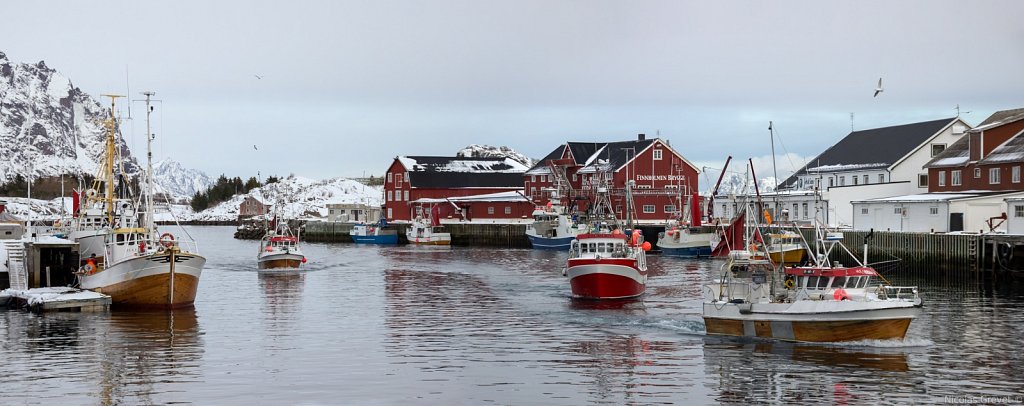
120 239
839 282
864 281
602 247
853 282
812 282
584 247
823 282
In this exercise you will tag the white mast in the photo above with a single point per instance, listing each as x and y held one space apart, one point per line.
150 213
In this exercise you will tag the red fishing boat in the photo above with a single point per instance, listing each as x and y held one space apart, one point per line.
608 265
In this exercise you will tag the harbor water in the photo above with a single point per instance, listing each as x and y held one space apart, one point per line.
411 325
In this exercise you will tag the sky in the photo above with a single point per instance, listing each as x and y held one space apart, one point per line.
339 88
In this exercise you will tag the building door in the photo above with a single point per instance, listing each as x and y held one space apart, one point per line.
956 222
877 219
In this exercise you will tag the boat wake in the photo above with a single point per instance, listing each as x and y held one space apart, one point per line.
909 342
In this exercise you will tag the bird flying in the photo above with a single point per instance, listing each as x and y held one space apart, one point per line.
879 88
258 76
254 147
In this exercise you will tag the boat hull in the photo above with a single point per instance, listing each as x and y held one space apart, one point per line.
431 241
147 281
557 243
789 257
276 261
879 323
389 239
605 279
686 252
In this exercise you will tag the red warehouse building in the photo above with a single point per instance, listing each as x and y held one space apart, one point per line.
988 158
411 178
664 181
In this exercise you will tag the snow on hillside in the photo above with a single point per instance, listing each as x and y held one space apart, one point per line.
47 125
738 183
487 151
180 182
35 209
298 197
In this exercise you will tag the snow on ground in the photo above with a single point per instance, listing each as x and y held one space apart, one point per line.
299 197
35 209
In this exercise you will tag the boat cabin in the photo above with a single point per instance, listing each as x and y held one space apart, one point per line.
286 242
822 280
607 246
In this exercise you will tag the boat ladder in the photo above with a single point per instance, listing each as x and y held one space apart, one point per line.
16 265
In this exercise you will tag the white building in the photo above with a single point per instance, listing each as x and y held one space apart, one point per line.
1015 215
875 163
935 212
787 206
352 213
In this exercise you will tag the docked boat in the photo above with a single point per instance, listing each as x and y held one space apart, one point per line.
552 228
679 240
422 232
786 248
380 233
823 302
122 252
279 248
606 262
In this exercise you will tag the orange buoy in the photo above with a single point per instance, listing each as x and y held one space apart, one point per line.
840 294
646 246
303 260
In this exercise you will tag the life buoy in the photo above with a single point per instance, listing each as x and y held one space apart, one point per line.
88 269
790 284
167 240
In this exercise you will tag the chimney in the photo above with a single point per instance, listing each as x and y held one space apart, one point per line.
641 137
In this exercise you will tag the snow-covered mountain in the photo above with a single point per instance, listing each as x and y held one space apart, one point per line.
47 125
737 183
487 151
180 182
297 197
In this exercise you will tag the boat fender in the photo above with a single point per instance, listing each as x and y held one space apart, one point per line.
736 301
790 284
167 239
598 257
142 246
840 294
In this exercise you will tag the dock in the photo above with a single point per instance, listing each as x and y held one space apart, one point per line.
55 299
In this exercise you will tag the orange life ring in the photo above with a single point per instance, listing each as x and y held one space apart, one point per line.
167 240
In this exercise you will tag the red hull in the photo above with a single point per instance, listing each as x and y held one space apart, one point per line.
606 279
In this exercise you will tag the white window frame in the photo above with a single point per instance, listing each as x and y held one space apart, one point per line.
942 178
934 211
1018 210
867 179
649 208
407 195
389 177
977 173
1015 174
863 210
842 181
389 196
881 178
955 178
940 151
508 209
657 154
669 208
993 176
490 209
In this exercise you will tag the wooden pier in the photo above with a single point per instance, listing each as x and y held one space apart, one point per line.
463 234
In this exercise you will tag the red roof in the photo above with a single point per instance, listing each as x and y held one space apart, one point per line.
284 238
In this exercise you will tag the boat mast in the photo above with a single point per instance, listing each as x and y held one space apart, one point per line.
150 212
108 165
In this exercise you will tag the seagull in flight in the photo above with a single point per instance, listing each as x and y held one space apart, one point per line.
258 76
879 88
254 147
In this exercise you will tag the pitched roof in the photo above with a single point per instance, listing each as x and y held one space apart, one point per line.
462 172
1011 151
958 153
614 155
874 148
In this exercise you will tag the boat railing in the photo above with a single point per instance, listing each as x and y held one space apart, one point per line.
887 292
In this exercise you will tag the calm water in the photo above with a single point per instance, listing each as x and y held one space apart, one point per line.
371 325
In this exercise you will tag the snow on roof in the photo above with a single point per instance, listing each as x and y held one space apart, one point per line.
923 197
1005 157
492 197
428 200
539 170
956 160
845 167
461 165
42 295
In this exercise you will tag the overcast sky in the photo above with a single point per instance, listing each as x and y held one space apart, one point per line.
346 86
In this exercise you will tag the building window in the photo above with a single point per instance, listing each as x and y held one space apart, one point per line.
657 155
533 178
533 191
389 195
407 195
670 208
977 173
574 177
881 178
831 181
508 210
898 210
389 213
842 181
398 180
1018 211
806 215
864 210
856 180
1015 175
618 209
389 177
398 195
725 210
866 181
954 178
490 209
796 211
938 148
933 211
942 179
922 180
648 208
993 176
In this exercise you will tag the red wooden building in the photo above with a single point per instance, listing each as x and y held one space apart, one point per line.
435 179
663 181
987 158
252 206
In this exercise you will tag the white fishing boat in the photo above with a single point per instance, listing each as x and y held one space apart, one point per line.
553 228
823 302
122 252
426 228
280 248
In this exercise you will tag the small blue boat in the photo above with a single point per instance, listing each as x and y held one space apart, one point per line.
554 243
374 234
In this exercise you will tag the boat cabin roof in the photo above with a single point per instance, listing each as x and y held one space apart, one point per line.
812 271
601 236
286 238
